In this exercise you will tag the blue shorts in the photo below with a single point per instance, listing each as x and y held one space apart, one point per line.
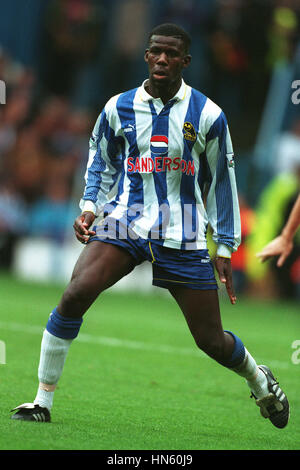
170 267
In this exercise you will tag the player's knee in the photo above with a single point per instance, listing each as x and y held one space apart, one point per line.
213 347
80 292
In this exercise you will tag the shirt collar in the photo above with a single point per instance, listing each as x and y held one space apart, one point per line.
180 95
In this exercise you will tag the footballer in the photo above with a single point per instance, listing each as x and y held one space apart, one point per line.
160 169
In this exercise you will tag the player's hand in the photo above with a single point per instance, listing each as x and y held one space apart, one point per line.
280 246
81 226
223 266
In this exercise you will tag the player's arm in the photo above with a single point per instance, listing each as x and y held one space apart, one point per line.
223 267
102 172
283 244
82 224
222 200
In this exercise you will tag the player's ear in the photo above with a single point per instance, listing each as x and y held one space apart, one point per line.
146 55
186 60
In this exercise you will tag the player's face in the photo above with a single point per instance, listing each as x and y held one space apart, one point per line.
166 58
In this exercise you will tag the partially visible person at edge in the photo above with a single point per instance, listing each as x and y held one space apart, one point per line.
282 245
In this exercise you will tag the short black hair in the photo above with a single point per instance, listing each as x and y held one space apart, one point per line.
173 30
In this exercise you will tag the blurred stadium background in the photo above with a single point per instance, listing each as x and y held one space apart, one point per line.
61 60
142 382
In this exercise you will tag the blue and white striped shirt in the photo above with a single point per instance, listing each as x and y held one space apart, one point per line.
167 170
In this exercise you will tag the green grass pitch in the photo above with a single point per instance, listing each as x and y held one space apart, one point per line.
134 380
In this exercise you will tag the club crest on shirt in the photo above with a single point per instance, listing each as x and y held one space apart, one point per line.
189 132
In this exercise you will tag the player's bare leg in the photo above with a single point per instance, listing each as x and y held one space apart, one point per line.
202 313
99 266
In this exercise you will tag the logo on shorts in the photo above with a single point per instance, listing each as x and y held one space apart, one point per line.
159 144
189 132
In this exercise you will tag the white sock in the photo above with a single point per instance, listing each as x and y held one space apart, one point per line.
256 379
54 351
44 398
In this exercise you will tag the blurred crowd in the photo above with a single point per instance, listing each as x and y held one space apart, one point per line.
61 60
